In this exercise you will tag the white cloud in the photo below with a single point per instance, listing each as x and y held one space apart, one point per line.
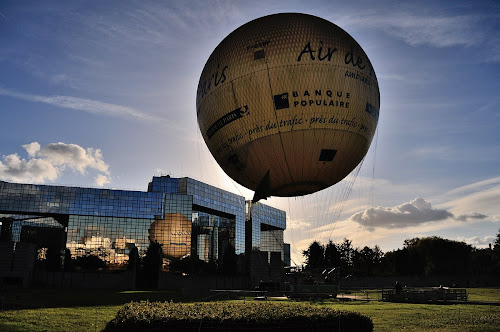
82 104
471 215
101 180
73 156
479 196
37 170
32 148
422 29
49 161
455 208
417 78
456 153
435 31
297 224
468 213
487 184
408 214
64 79
477 241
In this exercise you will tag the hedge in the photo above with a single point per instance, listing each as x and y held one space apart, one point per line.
224 316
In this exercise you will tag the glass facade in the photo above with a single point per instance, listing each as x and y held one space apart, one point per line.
185 215
265 226
218 215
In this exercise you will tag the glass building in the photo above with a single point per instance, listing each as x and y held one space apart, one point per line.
265 226
186 216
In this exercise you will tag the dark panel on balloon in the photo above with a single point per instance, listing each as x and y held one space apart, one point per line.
327 155
260 54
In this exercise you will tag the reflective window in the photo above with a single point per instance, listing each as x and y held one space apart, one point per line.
185 215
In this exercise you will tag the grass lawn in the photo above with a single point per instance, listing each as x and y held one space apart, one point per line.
484 294
90 310
57 319
427 317
67 310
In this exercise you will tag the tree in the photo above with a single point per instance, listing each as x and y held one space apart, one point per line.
496 253
343 255
53 259
496 244
482 262
378 254
396 262
151 265
89 263
314 255
68 261
408 243
432 256
331 255
230 261
192 264
346 256
364 260
133 258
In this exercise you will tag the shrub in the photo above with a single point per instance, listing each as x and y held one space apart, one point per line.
223 316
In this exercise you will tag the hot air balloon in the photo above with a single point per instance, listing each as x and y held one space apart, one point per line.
288 104
173 232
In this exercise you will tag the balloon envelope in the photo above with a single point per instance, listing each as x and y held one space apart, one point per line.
173 232
288 104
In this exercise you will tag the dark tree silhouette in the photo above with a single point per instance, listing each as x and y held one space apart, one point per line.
151 266
53 259
346 256
314 255
366 260
68 262
496 244
89 263
133 258
350 260
192 264
332 255
431 256
496 254
428 256
230 261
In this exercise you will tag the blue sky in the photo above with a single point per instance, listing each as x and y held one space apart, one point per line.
102 93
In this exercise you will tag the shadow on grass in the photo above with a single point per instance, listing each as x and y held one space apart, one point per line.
13 299
36 298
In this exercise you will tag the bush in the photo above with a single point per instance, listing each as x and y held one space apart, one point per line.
223 316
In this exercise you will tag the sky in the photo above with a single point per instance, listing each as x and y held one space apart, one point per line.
102 94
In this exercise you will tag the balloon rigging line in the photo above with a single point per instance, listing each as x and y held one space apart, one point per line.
373 173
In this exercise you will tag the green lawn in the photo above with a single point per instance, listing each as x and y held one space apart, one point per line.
57 319
428 317
90 310
67 310
484 294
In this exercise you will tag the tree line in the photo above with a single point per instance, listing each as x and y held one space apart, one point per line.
427 256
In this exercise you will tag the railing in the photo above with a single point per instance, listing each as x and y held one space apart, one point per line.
423 295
